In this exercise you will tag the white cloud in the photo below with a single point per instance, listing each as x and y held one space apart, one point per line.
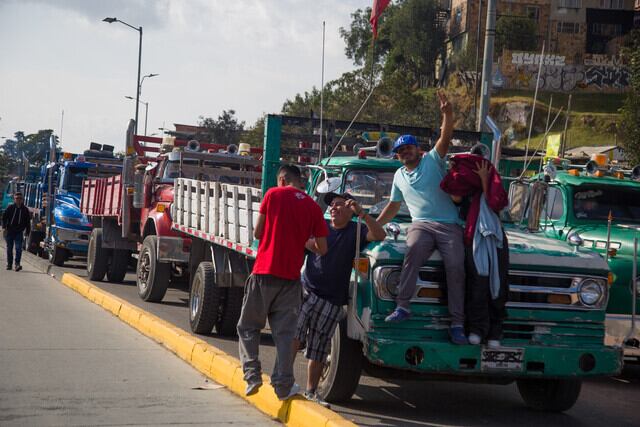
248 55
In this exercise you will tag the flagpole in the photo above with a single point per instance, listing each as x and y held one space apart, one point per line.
322 91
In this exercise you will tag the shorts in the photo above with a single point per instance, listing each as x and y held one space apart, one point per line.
316 324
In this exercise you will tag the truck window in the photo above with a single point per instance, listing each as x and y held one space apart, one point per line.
73 179
372 189
595 203
554 208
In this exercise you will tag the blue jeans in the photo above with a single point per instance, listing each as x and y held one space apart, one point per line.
14 238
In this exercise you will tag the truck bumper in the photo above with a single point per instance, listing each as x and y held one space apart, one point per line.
465 360
76 241
620 334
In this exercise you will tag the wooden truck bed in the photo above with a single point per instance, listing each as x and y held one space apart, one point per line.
220 213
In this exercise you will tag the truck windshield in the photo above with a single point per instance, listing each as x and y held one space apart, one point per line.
372 189
595 203
172 170
73 179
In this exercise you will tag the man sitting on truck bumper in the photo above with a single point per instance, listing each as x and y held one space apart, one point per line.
288 218
326 282
435 222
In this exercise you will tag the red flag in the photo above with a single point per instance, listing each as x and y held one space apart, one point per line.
376 10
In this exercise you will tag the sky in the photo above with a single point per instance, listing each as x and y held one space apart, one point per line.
211 55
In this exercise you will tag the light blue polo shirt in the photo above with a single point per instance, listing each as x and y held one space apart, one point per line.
420 190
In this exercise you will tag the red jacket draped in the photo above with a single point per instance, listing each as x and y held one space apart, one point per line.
461 180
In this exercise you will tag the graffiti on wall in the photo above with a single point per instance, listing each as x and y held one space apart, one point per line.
596 73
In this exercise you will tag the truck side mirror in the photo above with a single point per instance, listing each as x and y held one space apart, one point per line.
518 198
537 198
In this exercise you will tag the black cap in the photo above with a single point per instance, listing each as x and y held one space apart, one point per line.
328 198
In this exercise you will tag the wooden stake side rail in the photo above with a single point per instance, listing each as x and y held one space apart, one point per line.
220 213
102 196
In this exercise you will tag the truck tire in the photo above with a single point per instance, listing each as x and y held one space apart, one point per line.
118 265
152 277
341 374
57 256
549 395
231 308
97 256
204 299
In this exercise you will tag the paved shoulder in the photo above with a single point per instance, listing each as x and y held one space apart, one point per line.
64 361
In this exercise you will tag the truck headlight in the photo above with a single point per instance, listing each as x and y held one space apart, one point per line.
591 292
71 220
387 280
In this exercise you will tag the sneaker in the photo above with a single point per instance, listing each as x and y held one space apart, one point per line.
494 344
315 397
474 339
252 388
399 315
18 267
456 334
295 389
8 267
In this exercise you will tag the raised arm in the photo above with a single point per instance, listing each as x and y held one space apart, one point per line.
446 131
375 231
389 212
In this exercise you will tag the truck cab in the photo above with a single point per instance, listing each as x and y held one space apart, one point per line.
556 309
599 208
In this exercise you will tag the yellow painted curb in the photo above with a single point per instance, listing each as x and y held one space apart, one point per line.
208 359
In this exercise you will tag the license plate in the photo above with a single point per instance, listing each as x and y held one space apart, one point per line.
503 359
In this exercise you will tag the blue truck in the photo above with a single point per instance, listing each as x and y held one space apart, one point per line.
60 231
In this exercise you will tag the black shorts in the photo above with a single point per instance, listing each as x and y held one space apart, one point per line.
316 325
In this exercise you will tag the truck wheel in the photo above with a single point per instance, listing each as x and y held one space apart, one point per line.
152 277
57 256
97 256
204 299
341 374
549 395
231 308
118 265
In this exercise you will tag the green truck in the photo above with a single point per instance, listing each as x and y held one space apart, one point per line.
554 334
578 202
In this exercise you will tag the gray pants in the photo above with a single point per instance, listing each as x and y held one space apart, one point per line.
422 239
269 297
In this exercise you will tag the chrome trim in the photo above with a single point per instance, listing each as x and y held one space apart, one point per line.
573 291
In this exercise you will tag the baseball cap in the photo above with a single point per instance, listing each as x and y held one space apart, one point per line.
328 198
404 140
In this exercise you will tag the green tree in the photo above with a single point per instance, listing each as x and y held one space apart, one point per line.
516 33
630 121
358 37
226 129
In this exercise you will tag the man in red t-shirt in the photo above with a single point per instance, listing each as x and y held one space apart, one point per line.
288 218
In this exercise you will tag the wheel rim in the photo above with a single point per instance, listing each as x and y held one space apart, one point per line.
144 270
90 255
196 297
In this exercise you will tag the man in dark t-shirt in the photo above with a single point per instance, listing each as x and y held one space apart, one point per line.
326 281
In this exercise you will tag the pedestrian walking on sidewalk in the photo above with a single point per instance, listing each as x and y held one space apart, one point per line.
16 221
288 219
326 283
435 222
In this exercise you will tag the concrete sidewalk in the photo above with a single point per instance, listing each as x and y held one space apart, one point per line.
65 361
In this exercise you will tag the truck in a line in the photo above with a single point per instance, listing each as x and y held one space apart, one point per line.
554 333
130 212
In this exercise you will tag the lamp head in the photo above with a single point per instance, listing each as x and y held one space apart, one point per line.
110 20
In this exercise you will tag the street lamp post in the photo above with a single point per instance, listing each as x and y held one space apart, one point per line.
146 111
139 30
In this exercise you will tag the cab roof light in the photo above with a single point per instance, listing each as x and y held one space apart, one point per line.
574 172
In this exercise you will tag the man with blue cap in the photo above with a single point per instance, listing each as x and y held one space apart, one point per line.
435 222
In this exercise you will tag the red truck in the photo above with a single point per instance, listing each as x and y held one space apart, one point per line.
131 212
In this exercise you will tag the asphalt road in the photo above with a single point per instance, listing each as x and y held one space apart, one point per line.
605 401
67 362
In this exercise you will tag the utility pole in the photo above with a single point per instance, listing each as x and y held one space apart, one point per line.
485 88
